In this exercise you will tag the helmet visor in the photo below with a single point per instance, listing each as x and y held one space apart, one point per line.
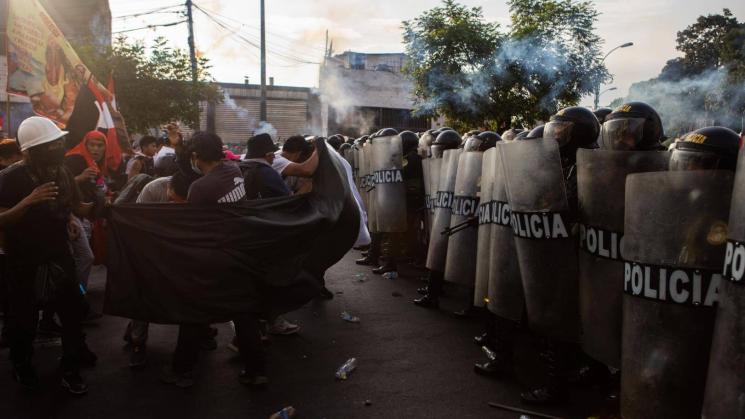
436 151
622 133
694 160
560 131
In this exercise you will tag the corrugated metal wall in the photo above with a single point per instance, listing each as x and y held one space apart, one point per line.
235 124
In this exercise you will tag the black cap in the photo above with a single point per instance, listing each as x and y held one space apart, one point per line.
259 146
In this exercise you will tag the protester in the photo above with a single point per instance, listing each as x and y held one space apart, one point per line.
290 162
172 189
38 198
261 179
221 182
142 161
10 153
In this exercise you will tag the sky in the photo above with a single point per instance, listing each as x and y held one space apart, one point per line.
296 32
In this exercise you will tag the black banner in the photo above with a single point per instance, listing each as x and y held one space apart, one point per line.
183 263
466 206
495 212
388 176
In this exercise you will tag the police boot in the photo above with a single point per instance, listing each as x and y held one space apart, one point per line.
488 336
367 260
501 335
371 258
388 266
554 390
432 298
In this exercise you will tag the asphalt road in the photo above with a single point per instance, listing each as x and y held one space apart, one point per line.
413 363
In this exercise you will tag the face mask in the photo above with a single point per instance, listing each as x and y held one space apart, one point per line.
44 158
195 168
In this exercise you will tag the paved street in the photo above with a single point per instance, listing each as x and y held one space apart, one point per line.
413 363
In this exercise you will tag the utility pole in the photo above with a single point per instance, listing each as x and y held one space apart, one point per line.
192 51
262 104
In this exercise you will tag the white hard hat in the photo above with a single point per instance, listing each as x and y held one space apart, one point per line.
37 130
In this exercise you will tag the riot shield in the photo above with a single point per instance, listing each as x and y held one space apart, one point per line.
601 180
725 383
674 244
546 249
438 241
483 243
460 265
390 190
372 221
427 193
435 166
505 293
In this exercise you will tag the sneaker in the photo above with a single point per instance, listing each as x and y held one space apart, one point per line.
74 383
49 327
25 375
181 380
255 381
138 357
282 327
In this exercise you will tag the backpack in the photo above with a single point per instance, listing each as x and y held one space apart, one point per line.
253 180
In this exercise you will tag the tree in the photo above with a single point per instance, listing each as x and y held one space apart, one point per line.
154 85
471 72
449 47
706 86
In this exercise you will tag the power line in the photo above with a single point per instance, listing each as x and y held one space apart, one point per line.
286 56
150 12
151 26
309 47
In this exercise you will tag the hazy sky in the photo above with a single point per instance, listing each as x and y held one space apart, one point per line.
296 32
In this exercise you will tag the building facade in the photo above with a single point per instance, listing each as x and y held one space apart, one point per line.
362 93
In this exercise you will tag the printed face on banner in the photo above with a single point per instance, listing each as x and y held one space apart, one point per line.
41 63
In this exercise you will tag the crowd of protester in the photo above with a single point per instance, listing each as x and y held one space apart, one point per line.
53 209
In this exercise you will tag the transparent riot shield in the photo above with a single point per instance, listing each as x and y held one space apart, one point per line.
675 233
601 188
390 189
438 241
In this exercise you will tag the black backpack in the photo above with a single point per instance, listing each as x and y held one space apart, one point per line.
253 181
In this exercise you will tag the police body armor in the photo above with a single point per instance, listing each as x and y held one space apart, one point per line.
674 246
460 266
541 224
601 187
505 288
725 383
388 180
438 242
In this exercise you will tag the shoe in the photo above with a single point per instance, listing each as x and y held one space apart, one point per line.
493 369
282 327
427 302
255 381
364 254
465 313
74 383
388 267
49 327
208 344
367 261
326 294
181 380
482 339
542 396
138 357
363 247
423 290
25 375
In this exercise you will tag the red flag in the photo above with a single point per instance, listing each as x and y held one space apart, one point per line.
106 123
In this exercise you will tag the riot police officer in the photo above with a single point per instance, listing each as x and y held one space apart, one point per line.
543 214
443 167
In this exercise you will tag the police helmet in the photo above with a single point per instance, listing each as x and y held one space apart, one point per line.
446 140
710 148
573 127
535 133
482 142
409 141
632 126
602 113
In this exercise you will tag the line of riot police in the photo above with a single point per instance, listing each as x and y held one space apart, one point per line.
588 234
